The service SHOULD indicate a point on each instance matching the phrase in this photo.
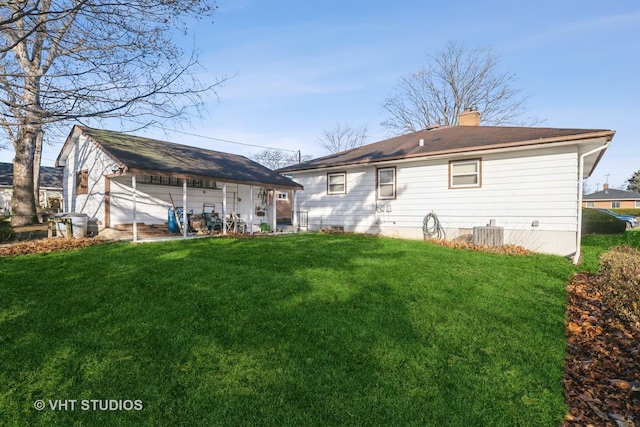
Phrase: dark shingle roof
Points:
(612, 194)
(446, 140)
(49, 177)
(151, 156)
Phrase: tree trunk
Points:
(37, 157)
(23, 205)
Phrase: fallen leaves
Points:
(602, 367)
(46, 245)
(462, 244)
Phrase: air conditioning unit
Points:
(488, 236)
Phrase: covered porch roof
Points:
(146, 156)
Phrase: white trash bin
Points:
(78, 224)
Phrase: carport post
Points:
(250, 219)
(185, 222)
(224, 208)
(134, 207)
(274, 211)
(294, 212)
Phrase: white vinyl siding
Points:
(95, 164)
(518, 189)
(152, 200)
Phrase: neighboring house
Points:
(525, 180)
(50, 187)
(610, 198)
(125, 179)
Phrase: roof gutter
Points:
(576, 257)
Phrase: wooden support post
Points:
(67, 227)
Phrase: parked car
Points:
(632, 221)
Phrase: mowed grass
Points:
(325, 330)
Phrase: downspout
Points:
(576, 257)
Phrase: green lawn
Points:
(313, 329)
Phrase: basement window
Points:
(465, 173)
(82, 182)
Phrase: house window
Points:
(637, 203)
(387, 183)
(82, 182)
(615, 205)
(337, 183)
(283, 196)
(465, 173)
(591, 204)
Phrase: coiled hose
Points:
(431, 227)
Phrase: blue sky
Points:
(301, 67)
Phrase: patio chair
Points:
(239, 224)
(213, 221)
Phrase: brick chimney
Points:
(605, 186)
(469, 117)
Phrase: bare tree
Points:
(275, 159)
(456, 78)
(63, 61)
(343, 137)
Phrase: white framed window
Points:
(615, 205)
(591, 204)
(637, 203)
(337, 183)
(283, 195)
(386, 179)
(465, 173)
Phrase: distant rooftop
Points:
(612, 194)
(49, 177)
